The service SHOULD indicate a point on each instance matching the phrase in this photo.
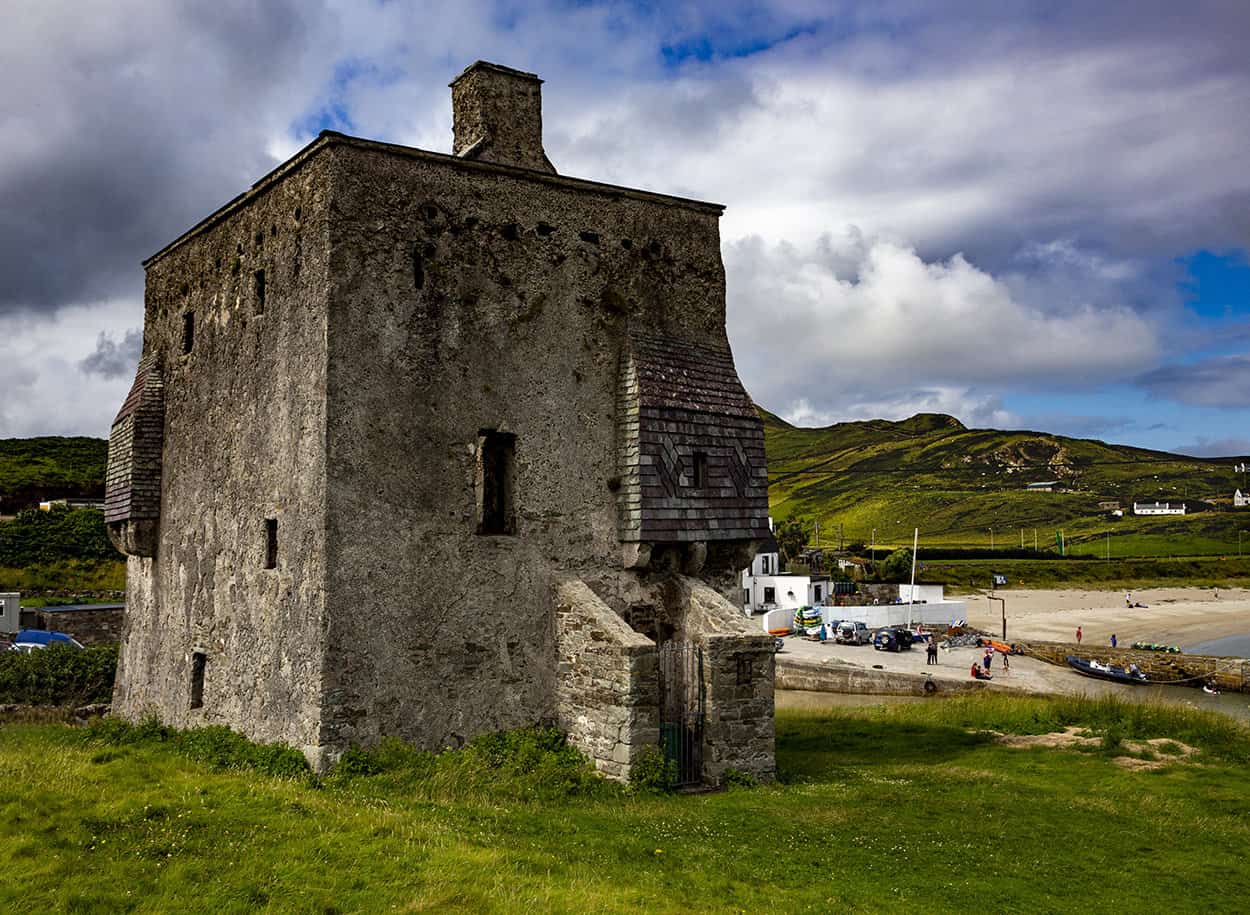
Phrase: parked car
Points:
(852, 633)
(29, 640)
(892, 640)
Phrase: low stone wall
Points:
(91, 626)
(846, 678)
(607, 685)
(738, 673)
(1232, 674)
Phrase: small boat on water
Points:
(1102, 671)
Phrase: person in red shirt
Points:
(1078, 635)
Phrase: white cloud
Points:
(853, 324)
(859, 148)
(50, 386)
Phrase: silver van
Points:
(850, 633)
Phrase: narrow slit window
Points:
(700, 470)
(199, 660)
(188, 332)
(496, 482)
(271, 543)
(258, 280)
(418, 269)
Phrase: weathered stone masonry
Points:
(392, 347)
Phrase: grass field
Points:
(66, 575)
(905, 808)
(1118, 574)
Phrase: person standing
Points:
(989, 656)
(932, 650)
(1078, 635)
(1113, 640)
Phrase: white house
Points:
(766, 587)
(1240, 501)
(1047, 486)
(1158, 508)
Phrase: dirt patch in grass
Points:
(1154, 753)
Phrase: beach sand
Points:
(1172, 616)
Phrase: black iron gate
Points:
(681, 709)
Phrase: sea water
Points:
(1234, 646)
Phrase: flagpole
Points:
(911, 596)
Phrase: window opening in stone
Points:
(188, 332)
(418, 268)
(199, 660)
(700, 470)
(770, 595)
(271, 543)
(746, 670)
(496, 482)
(259, 281)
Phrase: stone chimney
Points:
(497, 115)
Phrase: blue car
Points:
(29, 640)
(892, 640)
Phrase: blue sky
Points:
(1026, 214)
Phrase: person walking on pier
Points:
(1078, 635)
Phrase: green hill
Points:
(956, 484)
(50, 467)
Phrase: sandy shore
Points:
(1172, 616)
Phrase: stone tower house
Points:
(428, 446)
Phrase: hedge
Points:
(58, 675)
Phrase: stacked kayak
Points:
(1151, 646)
(806, 618)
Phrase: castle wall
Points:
(608, 682)
(244, 431)
(468, 299)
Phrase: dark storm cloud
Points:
(124, 125)
(1222, 381)
(112, 359)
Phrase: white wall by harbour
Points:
(933, 614)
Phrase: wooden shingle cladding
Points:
(133, 483)
(681, 406)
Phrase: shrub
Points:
(35, 537)
(525, 764)
(736, 778)
(218, 748)
(58, 675)
(652, 773)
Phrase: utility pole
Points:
(839, 536)
(911, 598)
(1034, 540)
(991, 539)
(1108, 546)
(1022, 539)
(874, 546)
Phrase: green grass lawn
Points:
(1118, 574)
(906, 808)
(66, 575)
